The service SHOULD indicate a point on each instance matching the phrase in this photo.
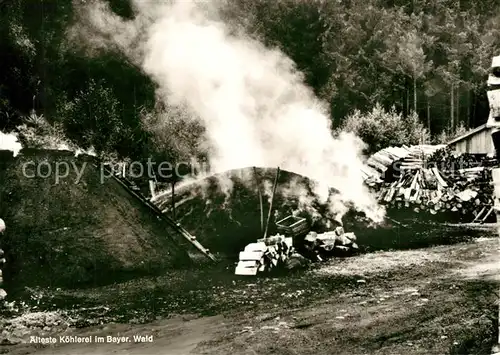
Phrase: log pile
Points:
(432, 179)
(448, 161)
(265, 255)
(385, 161)
(330, 243)
(465, 194)
(278, 251)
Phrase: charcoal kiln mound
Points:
(223, 210)
(79, 229)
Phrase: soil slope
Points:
(71, 232)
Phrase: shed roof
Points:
(469, 133)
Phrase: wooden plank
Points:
(479, 214)
(257, 247)
(407, 193)
(173, 200)
(487, 215)
(438, 177)
(248, 263)
(379, 158)
(246, 271)
(257, 181)
(414, 181)
(251, 255)
(376, 165)
(272, 200)
(152, 188)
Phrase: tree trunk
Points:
(428, 115)
(457, 106)
(468, 108)
(452, 113)
(473, 108)
(414, 94)
(173, 200)
(407, 100)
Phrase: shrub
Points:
(92, 118)
(37, 132)
(380, 128)
(174, 134)
(447, 135)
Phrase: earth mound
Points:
(79, 228)
(223, 210)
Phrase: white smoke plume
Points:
(9, 141)
(251, 100)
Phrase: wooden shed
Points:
(476, 141)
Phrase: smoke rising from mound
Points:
(251, 100)
(9, 141)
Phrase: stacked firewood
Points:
(384, 162)
(278, 251)
(447, 160)
(466, 193)
(330, 243)
(265, 255)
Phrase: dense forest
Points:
(427, 58)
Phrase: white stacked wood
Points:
(409, 157)
(264, 255)
(277, 250)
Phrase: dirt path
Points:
(177, 336)
(428, 301)
(426, 314)
(487, 265)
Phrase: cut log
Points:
(248, 263)
(250, 255)
(438, 177)
(246, 271)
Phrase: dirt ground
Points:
(437, 300)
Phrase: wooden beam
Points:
(173, 200)
(487, 215)
(257, 180)
(272, 199)
(152, 188)
(496, 192)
